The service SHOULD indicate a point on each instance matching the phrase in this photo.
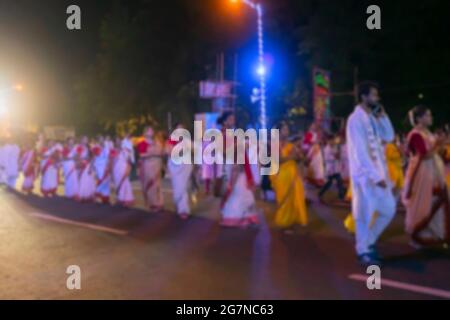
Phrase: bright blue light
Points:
(261, 70)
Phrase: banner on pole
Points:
(321, 94)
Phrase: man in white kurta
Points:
(372, 189)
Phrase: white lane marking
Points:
(406, 286)
(80, 224)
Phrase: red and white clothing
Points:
(238, 205)
(102, 172)
(426, 195)
(122, 164)
(316, 167)
(87, 185)
(150, 171)
(71, 178)
(27, 166)
(49, 172)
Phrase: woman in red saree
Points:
(426, 196)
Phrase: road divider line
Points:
(406, 286)
(80, 224)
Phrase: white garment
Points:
(28, 170)
(180, 175)
(71, 179)
(3, 178)
(49, 172)
(101, 171)
(124, 189)
(332, 162)
(11, 163)
(316, 165)
(240, 203)
(86, 190)
(365, 137)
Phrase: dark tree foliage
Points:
(153, 53)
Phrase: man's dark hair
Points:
(365, 87)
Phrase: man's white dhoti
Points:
(368, 199)
(365, 137)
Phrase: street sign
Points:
(216, 89)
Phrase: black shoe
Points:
(368, 259)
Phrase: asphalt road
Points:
(133, 254)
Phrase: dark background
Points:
(145, 57)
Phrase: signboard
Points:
(213, 89)
(321, 94)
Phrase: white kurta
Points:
(365, 137)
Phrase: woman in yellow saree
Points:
(288, 185)
(394, 160)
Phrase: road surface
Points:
(133, 254)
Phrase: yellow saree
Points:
(395, 165)
(290, 192)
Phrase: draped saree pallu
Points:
(426, 195)
(150, 169)
(87, 184)
(27, 165)
(49, 174)
(238, 204)
(121, 176)
(71, 183)
(102, 173)
(290, 193)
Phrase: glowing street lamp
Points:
(18, 87)
(261, 70)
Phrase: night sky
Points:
(36, 48)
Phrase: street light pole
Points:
(261, 64)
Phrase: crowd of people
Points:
(370, 165)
